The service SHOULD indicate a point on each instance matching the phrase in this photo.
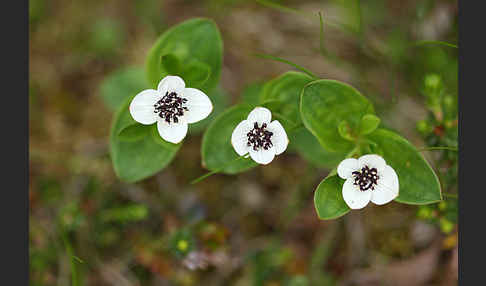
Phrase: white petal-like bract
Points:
(142, 106)
(279, 138)
(372, 161)
(198, 104)
(387, 188)
(239, 139)
(173, 132)
(380, 188)
(171, 83)
(146, 108)
(247, 140)
(353, 196)
(347, 167)
(263, 156)
(260, 115)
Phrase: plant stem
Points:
(197, 180)
(421, 43)
(270, 57)
(452, 196)
(356, 150)
(438, 148)
(69, 251)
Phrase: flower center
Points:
(259, 137)
(366, 178)
(170, 107)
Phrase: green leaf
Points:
(251, 93)
(122, 84)
(328, 198)
(216, 149)
(282, 94)
(309, 148)
(132, 212)
(418, 182)
(136, 160)
(133, 132)
(325, 104)
(192, 49)
(369, 123)
(195, 73)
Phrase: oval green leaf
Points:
(216, 149)
(309, 148)
(328, 198)
(282, 94)
(325, 104)
(219, 99)
(133, 132)
(122, 84)
(251, 93)
(195, 73)
(418, 182)
(136, 160)
(194, 47)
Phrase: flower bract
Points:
(262, 138)
(368, 178)
(172, 106)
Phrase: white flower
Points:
(259, 137)
(172, 106)
(368, 178)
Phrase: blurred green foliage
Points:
(257, 228)
(440, 128)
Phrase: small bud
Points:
(182, 245)
(442, 205)
(445, 225)
(424, 127)
(432, 81)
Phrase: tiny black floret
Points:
(170, 107)
(259, 137)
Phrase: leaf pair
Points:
(325, 105)
(282, 96)
(191, 50)
(368, 124)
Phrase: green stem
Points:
(197, 180)
(322, 48)
(421, 43)
(281, 8)
(360, 31)
(452, 196)
(71, 256)
(353, 152)
(302, 69)
(438, 148)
